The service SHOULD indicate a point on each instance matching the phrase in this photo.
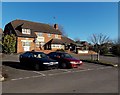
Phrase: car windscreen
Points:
(40, 55)
(66, 55)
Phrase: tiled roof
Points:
(67, 40)
(19, 34)
(55, 41)
(34, 26)
(1, 31)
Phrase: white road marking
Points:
(79, 71)
(26, 77)
(67, 71)
(39, 73)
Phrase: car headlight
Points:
(46, 63)
(80, 61)
(56, 62)
(73, 62)
(53, 62)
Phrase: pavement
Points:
(108, 59)
(88, 78)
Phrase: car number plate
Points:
(51, 63)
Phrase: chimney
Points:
(56, 26)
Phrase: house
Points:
(82, 47)
(34, 36)
(69, 43)
(1, 32)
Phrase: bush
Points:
(104, 50)
(9, 43)
(116, 49)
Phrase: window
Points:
(40, 55)
(40, 34)
(30, 55)
(56, 46)
(38, 44)
(49, 35)
(25, 43)
(26, 31)
(56, 36)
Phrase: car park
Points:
(65, 60)
(38, 60)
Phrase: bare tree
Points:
(99, 40)
(61, 28)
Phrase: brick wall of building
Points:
(45, 35)
(46, 39)
(20, 47)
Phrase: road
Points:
(89, 78)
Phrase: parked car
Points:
(65, 60)
(38, 60)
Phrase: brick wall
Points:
(20, 47)
(46, 38)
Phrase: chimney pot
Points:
(56, 26)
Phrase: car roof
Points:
(59, 52)
(33, 52)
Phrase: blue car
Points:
(38, 60)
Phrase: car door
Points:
(52, 55)
(25, 57)
(30, 58)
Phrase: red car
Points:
(65, 60)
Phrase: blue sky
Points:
(79, 19)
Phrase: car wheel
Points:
(57, 67)
(64, 65)
(37, 67)
(21, 61)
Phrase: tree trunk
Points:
(98, 55)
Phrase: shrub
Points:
(104, 50)
(9, 43)
(116, 49)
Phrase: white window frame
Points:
(59, 46)
(56, 35)
(39, 43)
(40, 34)
(25, 44)
(49, 35)
(26, 31)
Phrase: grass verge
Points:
(101, 63)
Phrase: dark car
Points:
(38, 60)
(65, 60)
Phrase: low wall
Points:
(82, 51)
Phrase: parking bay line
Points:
(80, 71)
(41, 74)
(26, 78)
